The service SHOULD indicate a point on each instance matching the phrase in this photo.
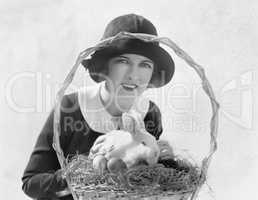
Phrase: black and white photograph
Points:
(152, 100)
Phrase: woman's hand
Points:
(166, 150)
(60, 179)
(102, 146)
(97, 145)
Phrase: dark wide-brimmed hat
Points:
(163, 63)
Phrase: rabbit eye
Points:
(144, 143)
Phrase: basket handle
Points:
(180, 53)
(57, 108)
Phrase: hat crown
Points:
(129, 23)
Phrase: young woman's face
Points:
(129, 74)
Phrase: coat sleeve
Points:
(42, 176)
(153, 121)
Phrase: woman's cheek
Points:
(141, 89)
(146, 77)
(118, 72)
(114, 80)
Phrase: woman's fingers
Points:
(101, 149)
(100, 139)
(98, 144)
(96, 148)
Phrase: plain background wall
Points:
(40, 40)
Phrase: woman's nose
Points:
(133, 73)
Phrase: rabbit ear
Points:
(129, 123)
(138, 119)
(140, 122)
(132, 121)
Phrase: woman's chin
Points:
(125, 104)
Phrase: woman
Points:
(123, 71)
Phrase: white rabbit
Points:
(132, 144)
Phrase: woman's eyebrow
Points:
(150, 61)
(122, 57)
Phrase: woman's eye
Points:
(122, 61)
(146, 65)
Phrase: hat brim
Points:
(164, 66)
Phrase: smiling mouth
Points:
(129, 87)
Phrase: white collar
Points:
(95, 114)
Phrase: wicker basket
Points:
(99, 191)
